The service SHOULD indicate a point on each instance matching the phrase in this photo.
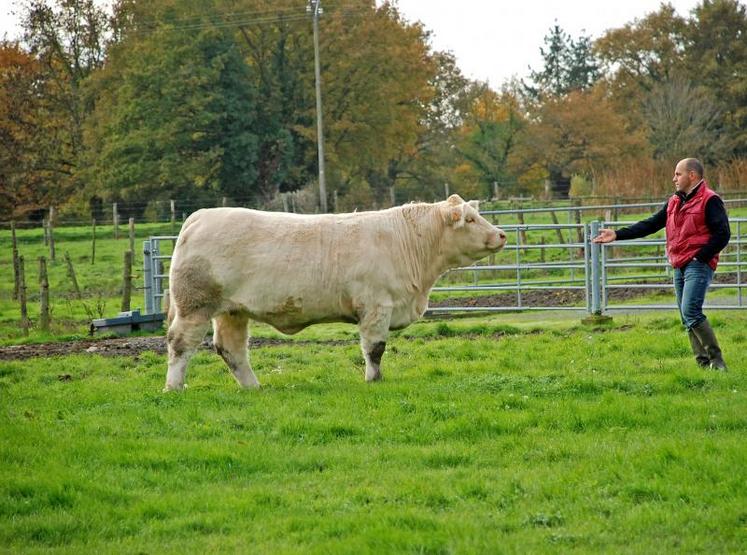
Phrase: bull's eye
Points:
(469, 219)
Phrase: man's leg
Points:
(696, 279)
(701, 356)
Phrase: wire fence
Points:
(305, 201)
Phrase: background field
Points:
(524, 433)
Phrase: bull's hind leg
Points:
(183, 338)
(374, 330)
(230, 339)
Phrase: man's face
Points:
(683, 179)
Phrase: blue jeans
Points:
(690, 286)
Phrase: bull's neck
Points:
(423, 257)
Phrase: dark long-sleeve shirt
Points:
(716, 220)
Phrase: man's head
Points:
(687, 174)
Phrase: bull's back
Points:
(280, 268)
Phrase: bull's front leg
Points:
(374, 329)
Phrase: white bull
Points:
(375, 269)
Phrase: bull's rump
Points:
(284, 269)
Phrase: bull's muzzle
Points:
(496, 240)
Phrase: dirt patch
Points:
(130, 346)
(541, 298)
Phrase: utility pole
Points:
(315, 9)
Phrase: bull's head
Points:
(469, 236)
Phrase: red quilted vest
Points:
(686, 228)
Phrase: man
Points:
(697, 230)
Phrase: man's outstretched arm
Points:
(639, 229)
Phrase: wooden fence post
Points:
(579, 229)
(131, 227)
(173, 217)
(522, 232)
(43, 295)
(15, 260)
(50, 227)
(558, 231)
(93, 241)
(127, 281)
(45, 232)
(542, 250)
(22, 297)
(71, 275)
(115, 220)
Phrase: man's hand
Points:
(605, 236)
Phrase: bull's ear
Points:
(456, 216)
(475, 204)
(455, 200)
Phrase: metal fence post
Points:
(157, 280)
(595, 277)
(147, 278)
(739, 263)
(595, 317)
(587, 267)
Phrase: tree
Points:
(578, 134)
(681, 118)
(378, 86)
(640, 55)
(488, 139)
(420, 170)
(568, 65)
(174, 114)
(22, 182)
(716, 58)
(67, 38)
(280, 52)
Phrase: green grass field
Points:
(514, 434)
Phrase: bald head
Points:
(693, 165)
(687, 174)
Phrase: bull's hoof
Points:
(169, 388)
(373, 377)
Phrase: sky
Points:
(494, 40)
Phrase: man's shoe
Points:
(719, 365)
(704, 333)
(701, 357)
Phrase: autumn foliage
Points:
(193, 99)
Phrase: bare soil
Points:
(128, 346)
